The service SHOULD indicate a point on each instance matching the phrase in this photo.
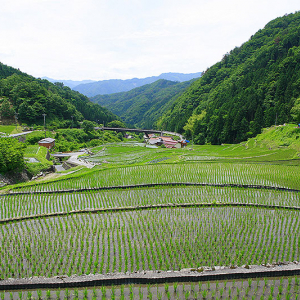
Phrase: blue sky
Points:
(114, 39)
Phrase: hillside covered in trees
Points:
(142, 106)
(30, 98)
(254, 86)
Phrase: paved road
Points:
(59, 168)
(79, 162)
(73, 159)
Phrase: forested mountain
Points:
(254, 86)
(142, 106)
(30, 98)
(117, 85)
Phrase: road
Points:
(74, 160)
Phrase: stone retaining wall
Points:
(149, 185)
(145, 207)
(153, 277)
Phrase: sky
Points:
(123, 39)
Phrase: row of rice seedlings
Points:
(264, 288)
(161, 239)
(218, 173)
(27, 204)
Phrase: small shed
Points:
(47, 142)
(183, 143)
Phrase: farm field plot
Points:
(130, 153)
(162, 227)
(12, 206)
(123, 153)
(211, 173)
(264, 288)
(159, 239)
(10, 129)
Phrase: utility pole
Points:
(16, 116)
(44, 123)
(72, 121)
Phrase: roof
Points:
(47, 140)
(154, 141)
(170, 142)
(166, 138)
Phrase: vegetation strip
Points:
(145, 207)
(146, 185)
(151, 277)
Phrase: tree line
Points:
(254, 86)
(29, 98)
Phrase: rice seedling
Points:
(103, 292)
(141, 294)
(58, 294)
(76, 294)
(175, 286)
(204, 293)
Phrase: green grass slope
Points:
(276, 137)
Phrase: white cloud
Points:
(100, 39)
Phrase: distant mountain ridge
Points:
(142, 106)
(69, 83)
(112, 86)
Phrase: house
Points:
(47, 142)
(155, 141)
(171, 144)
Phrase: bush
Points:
(11, 155)
(34, 137)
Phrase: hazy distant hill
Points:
(142, 106)
(117, 85)
(69, 83)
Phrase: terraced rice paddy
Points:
(263, 288)
(212, 173)
(141, 237)
(12, 206)
(160, 239)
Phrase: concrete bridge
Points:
(145, 131)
